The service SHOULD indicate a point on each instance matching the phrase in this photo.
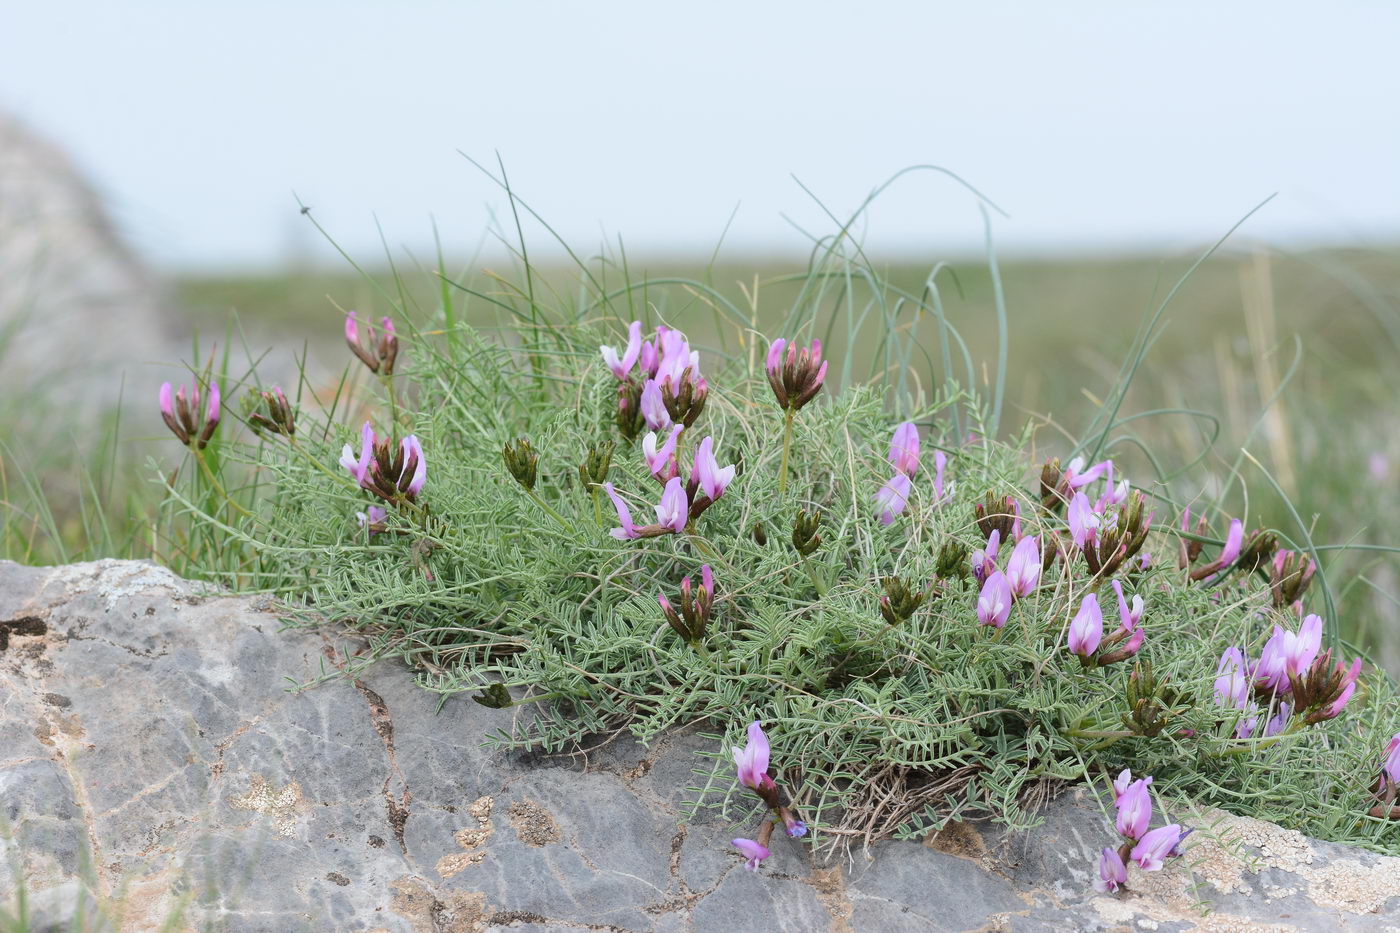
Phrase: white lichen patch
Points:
(279, 805)
(471, 839)
(1147, 913)
(120, 579)
(1346, 884)
(1226, 855)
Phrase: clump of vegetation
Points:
(919, 644)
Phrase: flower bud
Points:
(997, 513)
(1151, 703)
(270, 411)
(1290, 573)
(495, 696)
(629, 410)
(1053, 489)
(899, 601)
(805, 538)
(1258, 551)
(593, 471)
(795, 377)
(952, 558)
(521, 459)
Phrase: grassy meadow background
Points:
(1292, 355)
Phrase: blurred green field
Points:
(1294, 354)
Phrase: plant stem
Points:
(388, 383)
(218, 487)
(704, 546)
(787, 442)
(339, 480)
(552, 514)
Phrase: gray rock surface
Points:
(153, 763)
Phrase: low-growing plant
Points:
(918, 644)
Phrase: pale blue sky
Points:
(1095, 125)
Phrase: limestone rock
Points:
(154, 764)
(76, 306)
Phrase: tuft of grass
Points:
(878, 729)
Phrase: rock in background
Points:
(77, 309)
(154, 764)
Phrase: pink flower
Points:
(1086, 629)
(650, 360)
(940, 460)
(707, 472)
(752, 851)
(1379, 466)
(892, 498)
(1112, 872)
(676, 357)
(1300, 650)
(1077, 477)
(181, 414)
(211, 415)
(1023, 568)
(752, 760)
(904, 449)
(1155, 847)
(1280, 720)
(624, 515)
(1084, 523)
(1232, 680)
(797, 377)
(1234, 540)
(621, 367)
(773, 364)
(1391, 766)
(1248, 723)
(794, 827)
(654, 407)
(662, 463)
(413, 457)
(359, 469)
(994, 602)
(1286, 653)
(371, 517)
(1129, 648)
(984, 560)
(1135, 810)
(673, 511)
(1129, 617)
(383, 349)
(1123, 782)
(1348, 691)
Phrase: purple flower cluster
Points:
(394, 473)
(667, 388)
(1292, 677)
(184, 419)
(695, 607)
(1149, 848)
(1085, 636)
(379, 351)
(751, 761)
(681, 502)
(904, 457)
